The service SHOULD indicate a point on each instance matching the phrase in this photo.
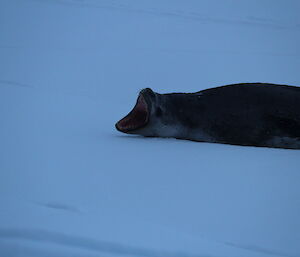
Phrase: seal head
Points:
(162, 115)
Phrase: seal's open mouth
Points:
(136, 119)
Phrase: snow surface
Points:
(72, 186)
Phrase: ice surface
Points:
(71, 185)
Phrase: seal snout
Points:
(136, 119)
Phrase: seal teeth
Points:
(136, 119)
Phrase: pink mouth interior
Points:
(137, 118)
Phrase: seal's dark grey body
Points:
(254, 114)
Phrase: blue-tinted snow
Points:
(73, 186)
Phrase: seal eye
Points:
(158, 112)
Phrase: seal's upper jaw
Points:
(136, 119)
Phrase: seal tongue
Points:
(137, 118)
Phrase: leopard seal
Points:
(249, 114)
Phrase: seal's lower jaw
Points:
(136, 119)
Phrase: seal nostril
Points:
(148, 91)
(158, 112)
